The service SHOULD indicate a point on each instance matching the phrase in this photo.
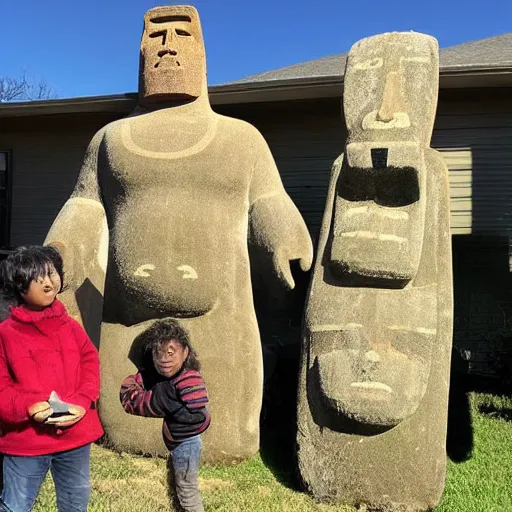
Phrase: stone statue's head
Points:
(172, 56)
(390, 98)
(373, 367)
(390, 88)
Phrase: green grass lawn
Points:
(484, 482)
(122, 483)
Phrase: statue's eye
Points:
(160, 33)
(370, 63)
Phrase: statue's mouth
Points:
(387, 185)
(380, 386)
(168, 58)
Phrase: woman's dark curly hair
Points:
(163, 331)
(24, 265)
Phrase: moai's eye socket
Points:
(181, 32)
(160, 33)
(370, 63)
(419, 59)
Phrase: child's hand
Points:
(40, 411)
(76, 413)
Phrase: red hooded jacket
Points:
(41, 352)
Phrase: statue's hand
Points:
(298, 246)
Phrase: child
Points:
(170, 386)
(43, 350)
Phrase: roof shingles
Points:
(493, 52)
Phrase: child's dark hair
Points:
(25, 264)
(163, 331)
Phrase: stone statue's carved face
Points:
(172, 57)
(390, 97)
(379, 215)
(373, 369)
(391, 86)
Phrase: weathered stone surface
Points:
(375, 364)
(180, 189)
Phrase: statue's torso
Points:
(177, 218)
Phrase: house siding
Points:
(473, 132)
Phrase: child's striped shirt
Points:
(180, 400)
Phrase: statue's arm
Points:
(80, 233)
(276, 228)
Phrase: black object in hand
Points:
(59, 407)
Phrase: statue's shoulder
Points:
(108, 129)
(237, 126)
(136, 115)
(117, 124)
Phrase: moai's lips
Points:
(368, 403)
(383, 237)
(372, 385)
(168, 61)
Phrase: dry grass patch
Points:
(122, 483)
(214, 484)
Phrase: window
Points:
(5, 199)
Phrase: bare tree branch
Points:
(25, 89)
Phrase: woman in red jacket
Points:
(44, 355)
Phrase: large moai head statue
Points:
(373, 387)
(374, 369)
(390, 97)
(390, 88)
(172, 56)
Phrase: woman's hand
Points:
(76, 413)
(40, 411)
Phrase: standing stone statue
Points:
(164, 204)
(375, 364)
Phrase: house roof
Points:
(482, 63)
(491, 53)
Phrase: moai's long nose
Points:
(392, 99)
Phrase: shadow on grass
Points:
(278, 421)
(280, 321)
(459, 442)
(459, 439)
(496, 412)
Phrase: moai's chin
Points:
(358, 401)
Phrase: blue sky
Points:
(91, 47)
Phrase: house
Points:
(298, 110)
